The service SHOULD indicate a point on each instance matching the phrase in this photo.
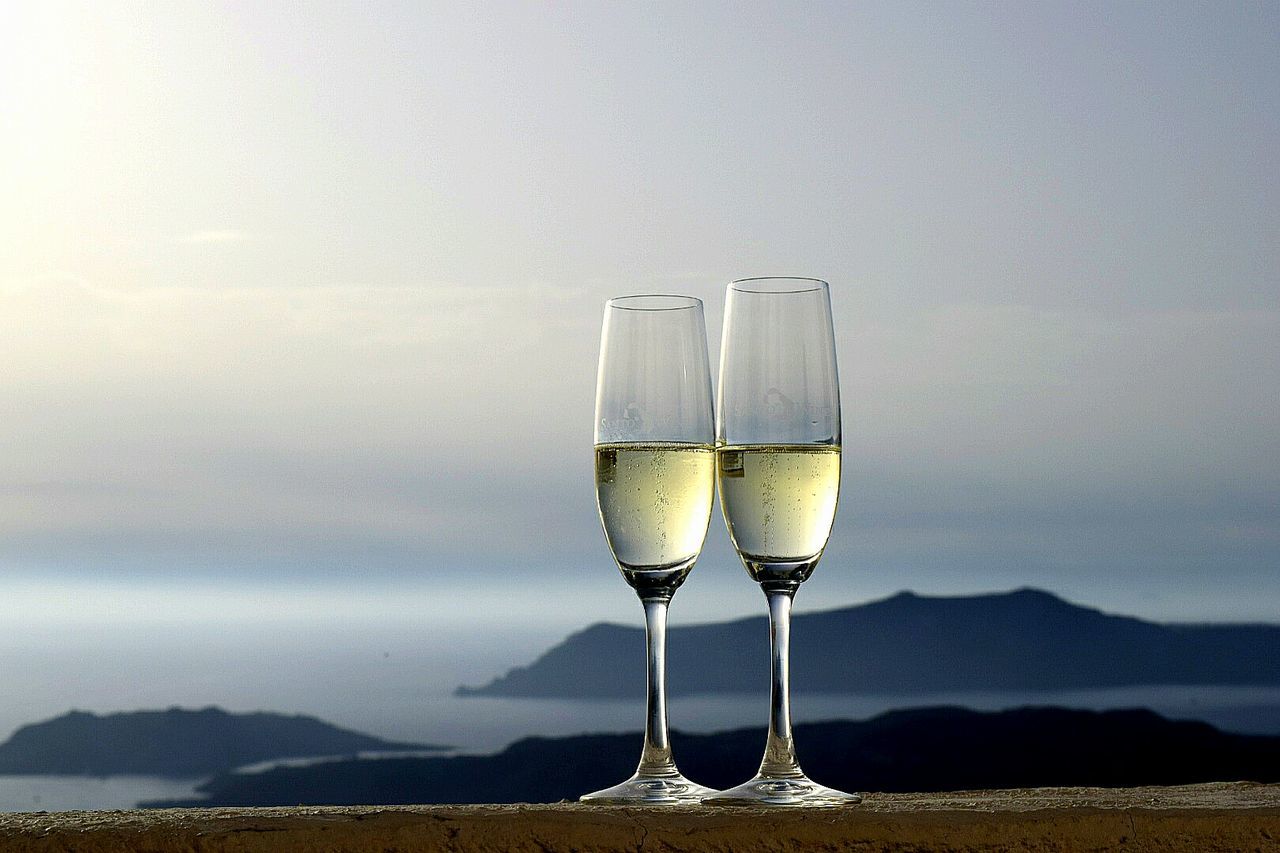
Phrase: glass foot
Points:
(800, 791)
(651, 790)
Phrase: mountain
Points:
(932, 749)
(177, 743)
(1021, 640)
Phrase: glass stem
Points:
(656, 758)
(779, 752)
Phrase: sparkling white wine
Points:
(655, 502)
(779, 501)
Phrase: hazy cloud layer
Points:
(342, 431)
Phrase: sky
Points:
(300, 303)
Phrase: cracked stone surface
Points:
(1225, 816)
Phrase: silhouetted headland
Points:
(1021, 640)
(931, 749)
(176, 743)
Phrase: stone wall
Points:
(1233, 817)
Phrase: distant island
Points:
(1021, 640)
(176, 743)
(932, 749)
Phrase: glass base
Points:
(652, 790)
(799, 791)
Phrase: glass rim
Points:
(778, 284)
(660, 302)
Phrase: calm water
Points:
(395, 682)
(69, 793)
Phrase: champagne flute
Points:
(655, 478)
(778, 470)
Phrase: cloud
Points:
(215, 236)
(1130, 458)
(1062, 395)
(337, 424)
(441, 427)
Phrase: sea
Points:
(395, 679)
